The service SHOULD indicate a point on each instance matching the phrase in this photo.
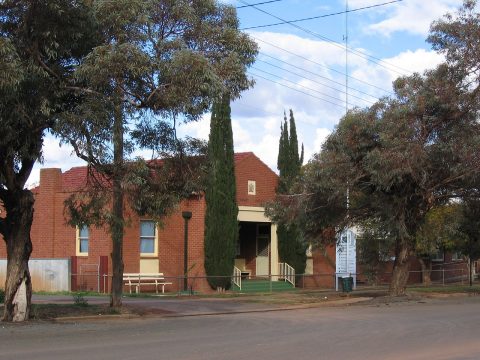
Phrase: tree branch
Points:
(85, 90)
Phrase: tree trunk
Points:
(18, 285)
(426, 271)
(117, 223)
(401, 267)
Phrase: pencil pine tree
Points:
(291, 247)
(221, 226)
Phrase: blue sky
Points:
(300, 69)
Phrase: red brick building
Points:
(149, 248)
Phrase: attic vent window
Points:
(252, 187)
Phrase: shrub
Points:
(79, 299)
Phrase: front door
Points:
(263, 249)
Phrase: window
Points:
(438, 256)
(148, 238)
(457, 256)
(82, 240)
(252, 187)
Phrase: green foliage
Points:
(398, 159)
(291, 245)
(289, 163)
(469, 227)
(403, 156)
(41, 43)
(375, 246)
(2, 295)
(79, 299)
(39, 46)
(456, 36)
(158, 62)
(440, 230)
(221, 226)
(292, 248)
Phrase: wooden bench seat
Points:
(138, 279)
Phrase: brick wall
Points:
(249, 167)
(52, 237)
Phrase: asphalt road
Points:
(446, 329)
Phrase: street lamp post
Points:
(187, 215)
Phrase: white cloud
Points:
(54, 156)
(415, 61)
(412, 16)
(319, 51)
(321, 136)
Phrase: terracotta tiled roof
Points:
(76, 177)
(242, 155)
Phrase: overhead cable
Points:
(260, 3)
(322, 65)
(314, 74)
(371, 58)
(297, 90)
(320, 16)
(301, 86)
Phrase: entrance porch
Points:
(257, 247)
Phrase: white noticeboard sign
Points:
(346, 257)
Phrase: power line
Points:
(291, 88)
(320, 16)
(322, 65)
(298, 85)
(317, 75)
(239, 103)
(260, 3)
(316, 82)
(371, 58)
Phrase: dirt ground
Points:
(373, 297)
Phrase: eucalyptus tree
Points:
(41, 42)
(398, 159)
(457, 37)
(439, 232)
(160, 61)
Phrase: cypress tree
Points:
(221, 226)
(291, 247)
(295, 159)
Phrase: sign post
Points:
(346, 257)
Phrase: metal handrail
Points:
(237, 277)
(287, 272)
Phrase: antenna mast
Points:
(346, 81)
(346, 57)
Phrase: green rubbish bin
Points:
(347, 284)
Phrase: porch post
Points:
(273, 252)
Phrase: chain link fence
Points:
(196, 285)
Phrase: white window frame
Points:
(78, 241)
(252, 187)
(155, 239)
